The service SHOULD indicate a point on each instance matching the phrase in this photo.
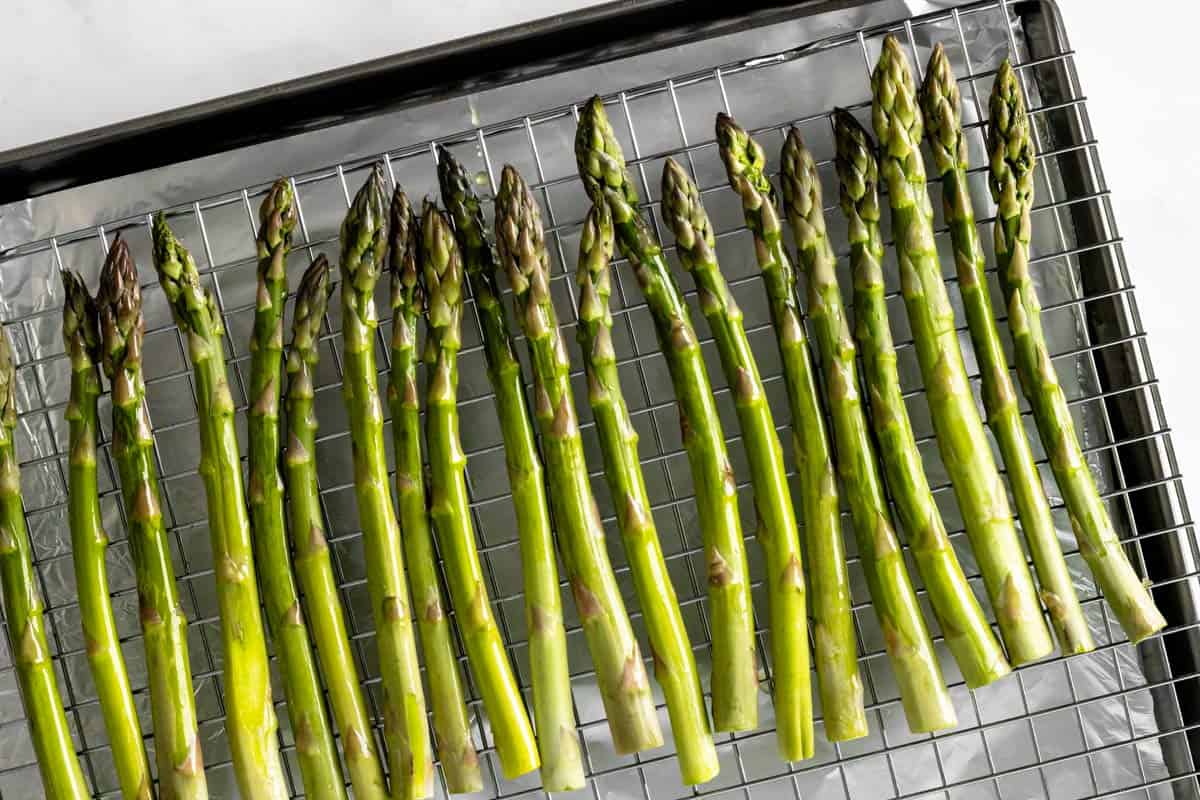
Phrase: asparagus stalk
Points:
(89, 545)
(1012, 160)
(558, 743)
(941, 102)
(837, 667)
(960, 435)
(923, 693)
(250, 713)
(23, 613)
(734, 673)
(684, 212)
(620, 673)
(456, 750)
(963, 623)
(320, 768)
(364, 241)
(314, 568)
(450, 507)
(164, 627)
(674, 663)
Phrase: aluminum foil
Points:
(1084, 718)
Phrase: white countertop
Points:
(70, 67)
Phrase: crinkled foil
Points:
(1053, 712)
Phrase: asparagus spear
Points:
(450, 507)
(314, 569)
(941, 102)
(164, 627)
(674, 664)
(963, 624)
(364, 246)
(558, 743)
(734, 674)
(320, 768)
(23, 613)
(456, 751)
(89, 545)
(922, 690)
(833, 636)
(777, 531)
(1012, 160)
(960, 435)
(620, 673)
(250, 713)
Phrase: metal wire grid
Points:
(1093, 726)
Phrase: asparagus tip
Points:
(733, 143)
(277, 214)
(452, 178)
(402, 255)
(119, 306)
(312, 297)
(80, 332)
(941, 103)
(442, 267)
(726, 124)
(601, 162)
(685, 215)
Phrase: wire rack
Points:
(1120, 722)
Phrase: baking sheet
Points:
(1092, 721)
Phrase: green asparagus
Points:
(833, 629)
(777, 530)
(941, 103)
(23, 613)
(620, 673)
(164, 627)
(456, 750)
(963, 623)
(89, 546)
(965, 449)
(1012, 161)
(923, 693)
(450, 507)
(734, 672)
(250, 713)
(558, 743)
(674, 663)
(320, 768)
(364, 241)
(314, 568)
